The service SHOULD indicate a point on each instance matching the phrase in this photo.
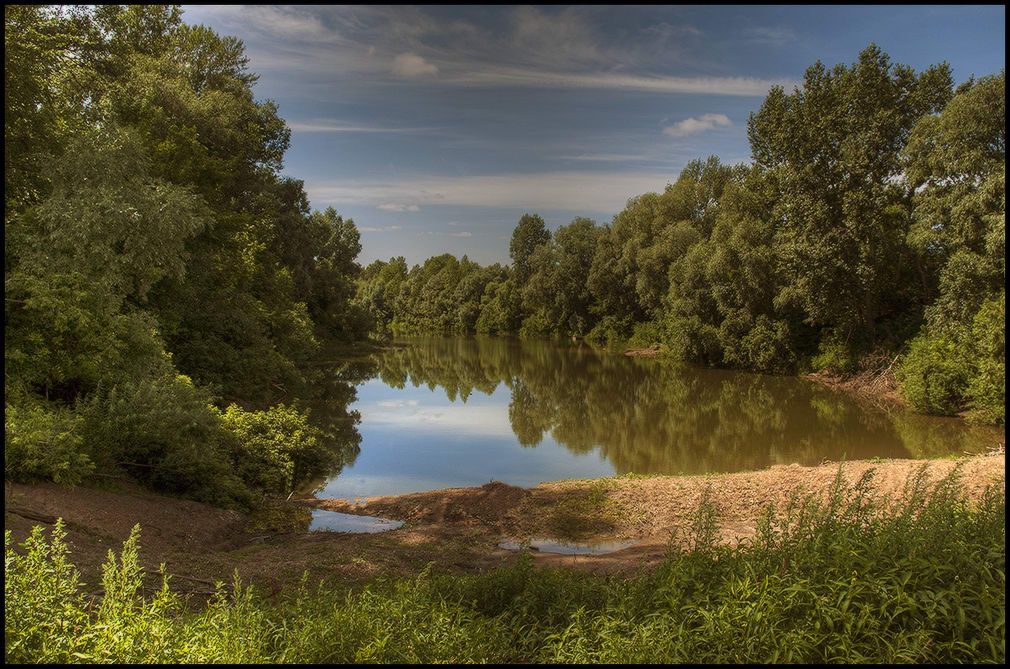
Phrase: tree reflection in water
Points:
(653, 416)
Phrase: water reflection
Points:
(334, 521)
(458, 411)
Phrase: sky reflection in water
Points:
(453, 412)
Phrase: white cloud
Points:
(573, 191)
(390, 228)
(399, 208)
(482, 420)
(614, 158)
(772, 36)
(461, 234)
(537, 48)
(691, 126)
(411, 65)
(288, 22)
(743, 86)
(340, 126)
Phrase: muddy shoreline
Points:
(453, 530)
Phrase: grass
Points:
(578, 511)
(847, 579)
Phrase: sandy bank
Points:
(455, 529)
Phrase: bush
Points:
(836, 355)
(536, 325)
(949, 369)
(761, 344)
(277, 448)
(934, 375)
(690, 339)
(167, 435)
(43, 442)
(987, 387)
(646, 334)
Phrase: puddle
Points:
(547, 546)
(334, 521)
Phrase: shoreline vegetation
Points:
(894, 529)
(170, 296)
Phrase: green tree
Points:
(956, 161)
(832, 151)
(529, 233)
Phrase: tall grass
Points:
(844, 579)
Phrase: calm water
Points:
(447, 412)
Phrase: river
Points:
(440, 412)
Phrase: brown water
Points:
(446, 412)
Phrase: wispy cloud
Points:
(537, 48)
(461, 234)
(341, 126)
(411, 65)
(772, 36)
(516, 77)
(691, 126)
(578, 191)
(398, 208)
(389, 228)
(615, 158)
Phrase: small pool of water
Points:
(549, 546)
(334, 521)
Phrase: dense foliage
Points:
(836, 580)
(871, 219)
(157, 265)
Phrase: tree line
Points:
(164, 283)
(871, 218)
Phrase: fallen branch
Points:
(31, 514)
(185, 578)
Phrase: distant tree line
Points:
(157, 266)
(871, 218)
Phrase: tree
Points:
(832, 150)
(530, 233)
(956, 162)
(557, 294)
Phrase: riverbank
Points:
(455, 530)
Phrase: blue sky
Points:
(436, 128)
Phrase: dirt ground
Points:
(454, 530)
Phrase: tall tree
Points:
(832, 150)
(530, 233)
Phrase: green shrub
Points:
(934, 374)
(647, 334)
(166, 434)
(276, 448)
(536, 325)
(987, 386)
(956, 367)
(836, 355)
(761, 344)
(612, 332)
(690, 339)
(43, 442)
